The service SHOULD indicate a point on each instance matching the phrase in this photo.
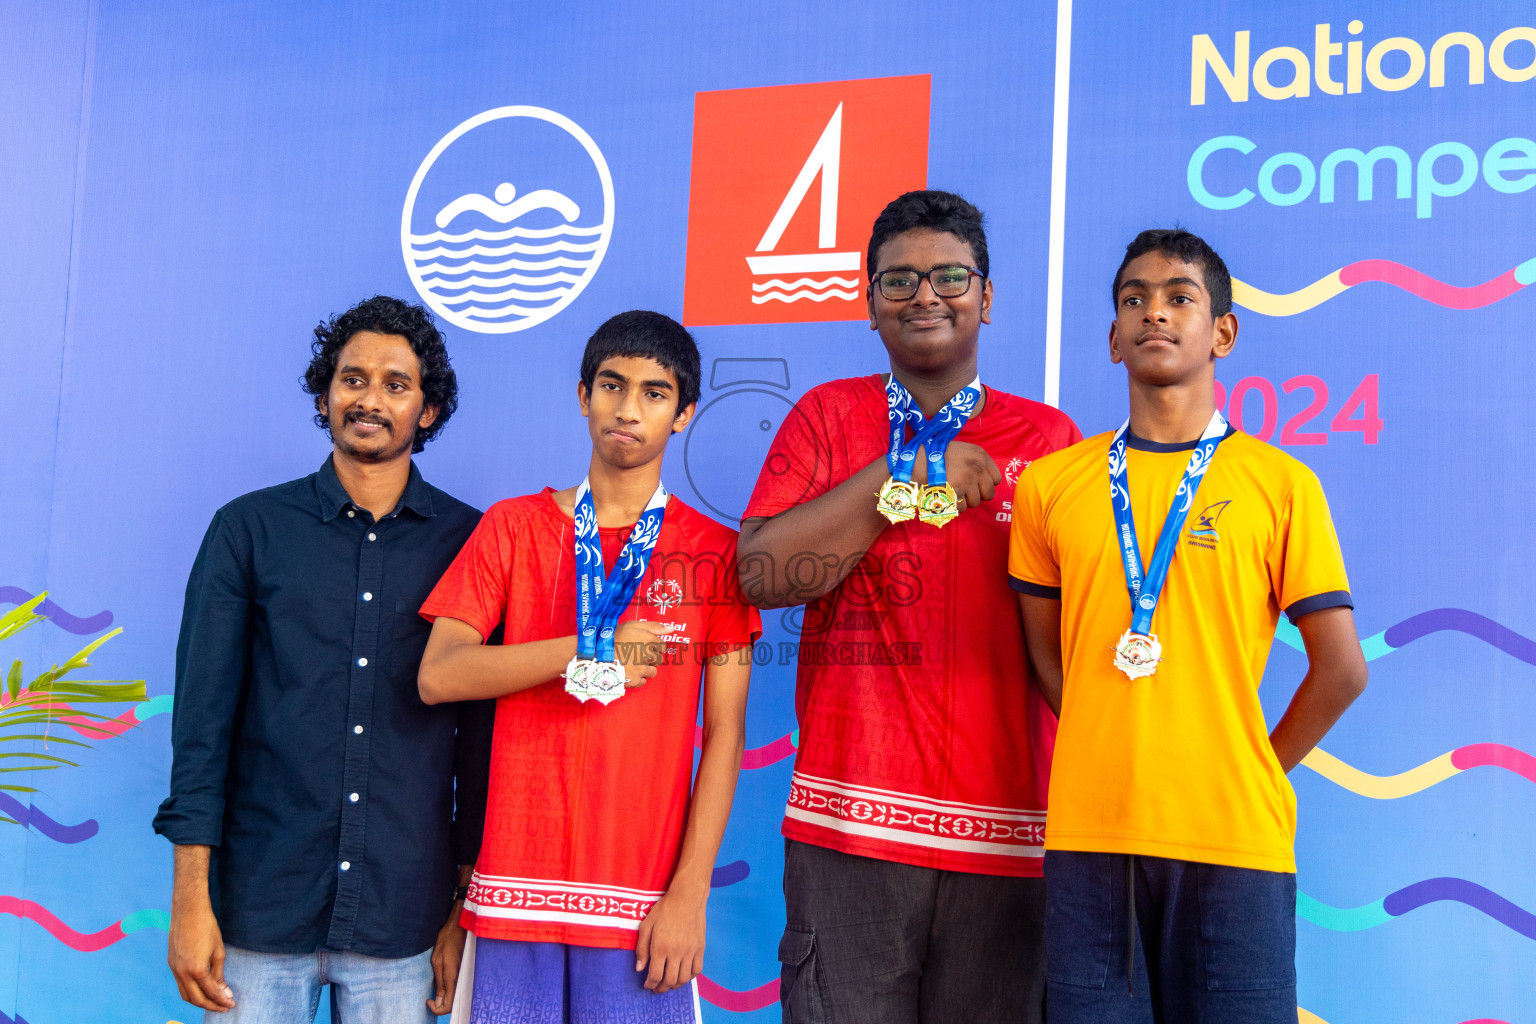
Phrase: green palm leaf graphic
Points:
(49, 696)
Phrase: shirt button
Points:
(351, 514)
(346, 865)
(357, 729)
(352, 797)
(362, 662)
(372, 537)
(367, 597)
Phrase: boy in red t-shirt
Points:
(916, 815)
(592, 848)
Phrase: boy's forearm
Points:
(804, 552)
(1336, 675)
(472, 671)
(714, 790)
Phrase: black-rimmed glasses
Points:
(947, 282)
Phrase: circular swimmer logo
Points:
(507, 219)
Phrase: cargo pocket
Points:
(1247, 928)
(800, 979)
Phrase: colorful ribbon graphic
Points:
(1305, 1016)
(1430, 773)
(137, 715)
(86, 942)
(765, 994)
(729, 874)
(31, 817)
(1387, 272)
(1421, 625)
(56, 615)
(759, 757)
(1412, 897)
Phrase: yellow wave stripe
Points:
(1380, 787)
(1316, 293)
(1304, 1016)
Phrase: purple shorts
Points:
(553, 983)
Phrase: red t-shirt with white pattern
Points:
(588, 803)
(923, 738)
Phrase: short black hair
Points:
(385, 315)
(1187, 248)
(646, 334)
(932, 209)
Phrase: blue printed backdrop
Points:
(188, 189)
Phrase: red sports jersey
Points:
(923, 738)
(588, 802)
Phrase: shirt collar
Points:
(333, 496)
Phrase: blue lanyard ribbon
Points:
(934, 434)
(601, 600)
(1145, 592)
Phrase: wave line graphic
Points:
(487, 299)
(1412, 897)
(76, 624)
(1385, 272)
(481, 235)
(502, 250)
(95, 729)
(1305, 1016)
(746, 1001)
(758, 757)
(515, 264)
(444, 283)
(779, 282)
(85, 942)
(804, 293)
(1437, 620)
(31, 817)
(1430, 773)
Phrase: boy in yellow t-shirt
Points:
(1171, 825)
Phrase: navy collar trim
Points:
(333, 496)
(1141, 444)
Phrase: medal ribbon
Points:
(1145, 592)
(601, 600)
(934, 434)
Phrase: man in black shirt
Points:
(312, 792)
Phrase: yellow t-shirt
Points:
(1179, 764)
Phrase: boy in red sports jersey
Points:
(917, 810)
(615, 599)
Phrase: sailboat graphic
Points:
(825, 159)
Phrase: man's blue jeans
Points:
(284, 988)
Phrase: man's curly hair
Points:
(386, 315)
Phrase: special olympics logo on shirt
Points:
(664, 595)
(507, 219)
(1015, 467)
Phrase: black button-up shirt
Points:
(303, 753)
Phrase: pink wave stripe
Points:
(757, 757)
(1494, 755)
(86, 943)
(740, 1002)
(1425, 287)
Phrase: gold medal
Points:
(939, 505)
(897, 500)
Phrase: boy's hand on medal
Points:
(640, 649)
(969, 470)
(671, 941)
